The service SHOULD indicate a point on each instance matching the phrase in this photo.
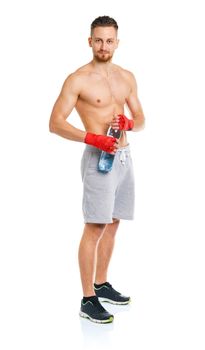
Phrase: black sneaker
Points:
(94, 311)
(107, 293)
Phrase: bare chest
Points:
(101, 92)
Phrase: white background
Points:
(159, 258)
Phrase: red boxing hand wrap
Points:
(105, 143)
(125, 123)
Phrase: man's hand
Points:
(105, 143)
(121, 122)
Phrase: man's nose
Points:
(103, 46)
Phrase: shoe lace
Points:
(110, 286)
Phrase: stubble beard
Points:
(103, 58)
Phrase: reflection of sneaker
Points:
(105, 292)
(95, 312)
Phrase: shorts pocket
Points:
(85, 163)
(93, 160)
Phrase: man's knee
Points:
(112, 228)
(114, 220)
(96, 230)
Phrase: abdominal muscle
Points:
(97, 120)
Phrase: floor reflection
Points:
(101, 335)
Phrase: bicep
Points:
(66, 101)
(134, 105)
(133, 101)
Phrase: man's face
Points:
(104, 43)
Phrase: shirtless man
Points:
(99, 91)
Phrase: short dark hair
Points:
(104, 21)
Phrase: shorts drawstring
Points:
(122, 156)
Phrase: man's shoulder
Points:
(77, 77)
(81, 72)
(125, 72)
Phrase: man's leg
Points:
(104, 251)
(87, 255)
(103, 289)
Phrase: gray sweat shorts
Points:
(107, 196)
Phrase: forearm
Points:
(62, 128)
(66, 130)
(139, 123)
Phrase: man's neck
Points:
(103, 68)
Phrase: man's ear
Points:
(90, 41)
(118, 40)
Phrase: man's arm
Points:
(134, 105)
(62, 109)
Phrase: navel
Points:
(98, 100)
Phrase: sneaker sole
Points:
(114, 302)
(84, 315)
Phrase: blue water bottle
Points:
(106, 159)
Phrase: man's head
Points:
(103, 38)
